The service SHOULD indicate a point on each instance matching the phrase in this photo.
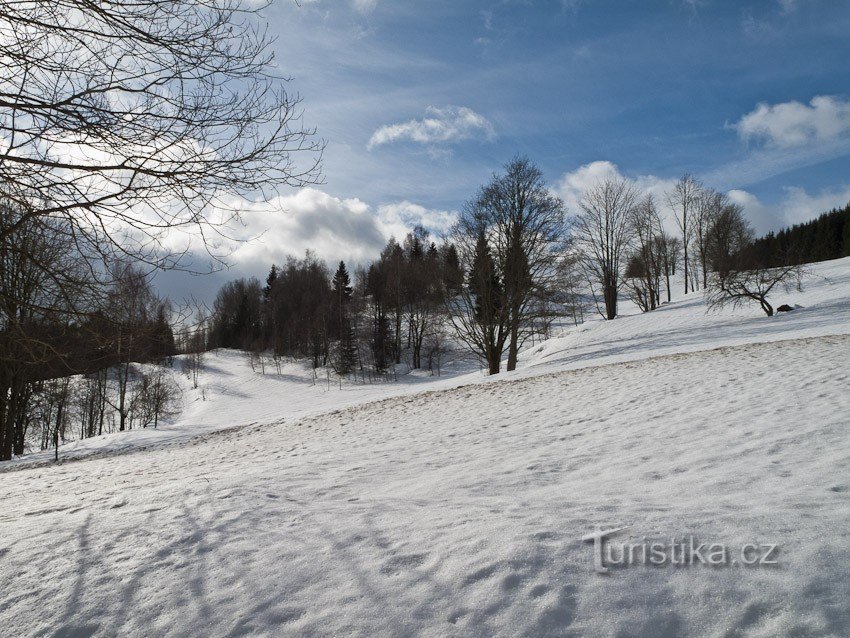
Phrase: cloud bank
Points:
(332, 227)
(795, 206)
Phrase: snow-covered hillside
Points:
(460, 511)
(233, 394)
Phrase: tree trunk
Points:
(513, 347)
(493, 358)
(398, 336)
(610, 294)
(493, 366)
(7, 425)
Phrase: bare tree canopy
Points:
(739, 287)
(604, 231)
(129, 119)
(684, 200)
(517, 225)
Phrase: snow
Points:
(232, 394)
(279, 507)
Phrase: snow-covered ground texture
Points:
(279, 505)
(233, 394)
(460, 512)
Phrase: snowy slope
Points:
(460, 511)
(232, 394)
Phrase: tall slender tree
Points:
(684, 200)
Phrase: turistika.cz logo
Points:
(676, 553)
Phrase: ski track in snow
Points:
(459, 512)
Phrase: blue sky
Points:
(420, 102)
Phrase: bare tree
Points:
(646, 265)
(709, 205)
(728, 237)
(479, 313)
(196, 346)
(525, 226)
(738, 287)
(92, 404)
(129, 119)
(156, 397)
(570, 280)
(41, 282)
(684, 200)
(131, 305)
(667, 247)
(603, 233)
(436, 345)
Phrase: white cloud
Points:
(792, 123)
(396, 219)
(572, 186)
(441, 125)
(795, 207)
(332, 227)
(762, 217)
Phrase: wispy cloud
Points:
(791, 124)
(439, 126)
(788, 6)
(364, 6)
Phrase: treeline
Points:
(59, 319)
(514, 263)
(364, 325)
(821, 239)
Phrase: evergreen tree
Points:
(163, 345)
(267, 291)
(484, 282)
(827, 237)
(341, 284)
(452, 271)
(346, 351)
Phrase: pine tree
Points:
(346, 348)
(163, 336)
(267, 291)
(452, 271)
(346, 352)
(341, 284)
(484, 282)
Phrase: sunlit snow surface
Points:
(459, 511)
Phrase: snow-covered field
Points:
(384, 510)
(232, 394)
